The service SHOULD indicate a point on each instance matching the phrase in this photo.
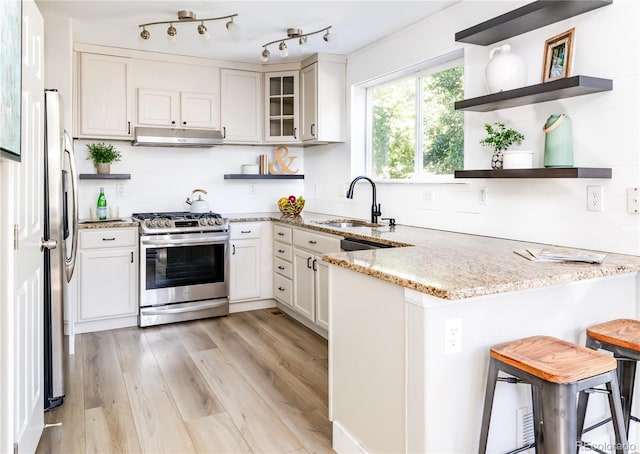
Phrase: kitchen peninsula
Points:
(400, 381)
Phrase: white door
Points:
(21, 205)
(199, 110)
(303, 299)
(245, 270)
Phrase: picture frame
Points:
(558, 56)
(10, 78)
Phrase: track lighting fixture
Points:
(293, 33)
(189, 16)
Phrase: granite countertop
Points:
(84, 224)
(449, 265)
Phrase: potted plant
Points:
(500, 139)
(102, 156)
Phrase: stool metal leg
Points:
(560, 418)
(583, 401)
(492, 377)
(615, 404)
(626, 379)
(536, 401)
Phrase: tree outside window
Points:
(414, 129)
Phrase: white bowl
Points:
(517, 160)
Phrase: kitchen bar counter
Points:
(449, 265)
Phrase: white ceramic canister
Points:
(505, 70)
(517, 160)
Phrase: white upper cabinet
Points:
(323, 100)
(177, 95)
(105, 94)
(177, 109)
(241, 106)
(281, 109)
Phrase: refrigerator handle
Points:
(70, 262)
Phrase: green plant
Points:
(500, 138)
(103, 153)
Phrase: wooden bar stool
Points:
(557, 371)
(622, 338)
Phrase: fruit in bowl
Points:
(291, 206)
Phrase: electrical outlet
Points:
(595, 200)
(120, 190)
(483, 195)
(633, 200)
(429, 196)
(452, 336)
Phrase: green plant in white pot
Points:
(103, 155)
(500, 139)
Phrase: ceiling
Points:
(355, 24)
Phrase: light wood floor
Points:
(248, 382)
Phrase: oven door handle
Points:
(182, 242)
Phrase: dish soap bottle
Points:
(102, 205)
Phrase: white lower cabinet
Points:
(107, 279)
(301, 277)
(249, 261)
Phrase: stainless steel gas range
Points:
(184, 266)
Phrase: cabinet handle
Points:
(184, 122)
(280, 267)
(280, 234)
(281, 251)
(131, 256)
(313, 126)
(173, 122)
(245, 231)
(309, 262)
(295, 133)
(314, 265)
(233, 246)
(281, 289)
(313, 242)
(109, 239)
(128, 127)
(224, 132)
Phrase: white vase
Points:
(505, 70)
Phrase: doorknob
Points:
(49, 244)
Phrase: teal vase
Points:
(558, 141)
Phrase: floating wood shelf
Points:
(109, 176)
(245, 176)
(529, 17)
(531, 94)
(547, 172)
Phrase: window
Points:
(413, 129)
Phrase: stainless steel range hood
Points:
(169, 137)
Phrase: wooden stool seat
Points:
(621, 332)
(553, 360)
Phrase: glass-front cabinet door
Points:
(281, 118)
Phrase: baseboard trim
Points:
(244, 306)
(343, 442)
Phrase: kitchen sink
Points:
(346, 224)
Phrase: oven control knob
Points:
(152, 223)
(203, 222)
(167, 223)
(210, 221)
(219, 221)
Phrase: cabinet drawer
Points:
(282, 233)
(282, 267)
(244, 230)
(284, 251)
(314, 242)
(282, 289)
(101, 238)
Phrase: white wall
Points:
(605, 130)
(162, 178)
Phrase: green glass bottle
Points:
(102, 205)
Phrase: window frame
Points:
(416, 72)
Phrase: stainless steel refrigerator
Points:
(60, 242)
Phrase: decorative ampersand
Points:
(281, 154)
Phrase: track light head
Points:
(172, 32)
(232, 26)
(327, 36)
(264, 56)
(202, 30)
(283, 49)
(144, 34)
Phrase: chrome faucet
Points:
(375, 207)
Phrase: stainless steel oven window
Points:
(180, 266)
